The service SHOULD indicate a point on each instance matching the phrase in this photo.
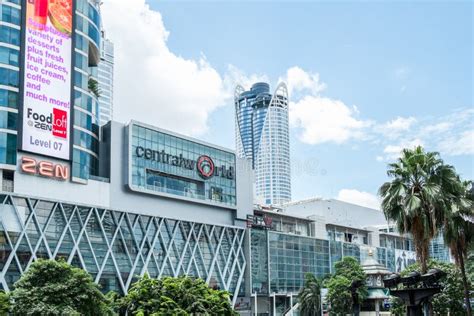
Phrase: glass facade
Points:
(115, 247)
(106, 82)
(164, 163)
(279, 261)
(87, 39)
(291, 257)
(10, 30)
(85, 158)
(262, 135)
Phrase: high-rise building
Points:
(81, 112)
(262, 135)
(106, 81)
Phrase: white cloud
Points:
(437, 128)
(299, 80)
(152, 84)
(393, 151)
(326, 120)
(235, 76)
(359, 198)
(462, 144)
(392, 129)
(399, 124)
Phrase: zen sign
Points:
(45, 169)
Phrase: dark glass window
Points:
(9, 35)
(80, 80)
(7, 148)
(81, 61)
(9, 77)
(86, 141)
(9, 56)
(11, 15)
(8, 98)
(8, 120)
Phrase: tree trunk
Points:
(465, 284)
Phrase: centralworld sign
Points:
(167, 164)
(204, 165)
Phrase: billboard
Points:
(403, 259)
(46, 110)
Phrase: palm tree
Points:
(459, 232)
(93, 86)
(309, 296)
(417, 199)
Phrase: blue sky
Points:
(380, 76)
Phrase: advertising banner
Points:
(404, 258)
(47, 78)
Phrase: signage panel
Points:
(165, 163)
(46, 86)
(46, 169)
(403, 259)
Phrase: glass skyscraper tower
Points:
(262, 135)
(106, 81)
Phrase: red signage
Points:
(59, 123)
(44, 168)
(205, 166)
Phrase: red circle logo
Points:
(205, 166)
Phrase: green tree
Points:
(93, 87)
(50, 287)
(397, 307)
(175, 296)
(450, 298)
(4, 303)
(347, 272)
(309, 296)
(339, 295)
(418, 197)
(470, 266)
(459, 232)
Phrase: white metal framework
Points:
(115, 247)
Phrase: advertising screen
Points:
(47, 78)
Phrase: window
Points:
(8, 148)
(9, 56)
(8, 120)
(10, 15)
(9, 35)
(9, 77)
(8, 98)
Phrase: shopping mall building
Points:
(127, 199)
(165, 204)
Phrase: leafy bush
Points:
(347, 271)
(175, 296)
(50, 287)
(4, 303)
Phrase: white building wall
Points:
(116, 195)
(337, 212)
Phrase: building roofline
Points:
(283, 214)
(317, 199)
(188, 138)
